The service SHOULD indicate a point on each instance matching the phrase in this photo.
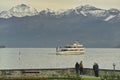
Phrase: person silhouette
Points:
(81, 67)
(96, 69)
(77, 67)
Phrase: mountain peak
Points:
(24, 5)
(21, 10)
(88, 7)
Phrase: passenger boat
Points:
(74, 49)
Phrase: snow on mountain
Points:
(115, 19)
(114, 16)
(83, 13)
(47, 12)
(79, 10)
(110, 17)
(85, 10)
(102, 14)
(5, 14)
(68, 12)
(114, 11)
(91, 10)
(86, 7)
(19, 11)
(97, 13)
(61, 11)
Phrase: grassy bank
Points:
(47, 78)
(91, 79)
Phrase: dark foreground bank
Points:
(53, 72)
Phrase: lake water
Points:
(46, 58)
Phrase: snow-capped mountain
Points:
(5, 14)
(87, 10)
(19, 11)
(83, 11)
(91, 11)
(93, 26)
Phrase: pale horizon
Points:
(58, 5)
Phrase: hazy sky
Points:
(60, 4)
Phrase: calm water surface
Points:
(42, 58)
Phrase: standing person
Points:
(77, 67)
(81, 67)
(96, 69)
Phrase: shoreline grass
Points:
(47, 78)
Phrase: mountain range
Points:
(24, 26)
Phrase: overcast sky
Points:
(60, 4)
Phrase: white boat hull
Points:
(70, 52)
